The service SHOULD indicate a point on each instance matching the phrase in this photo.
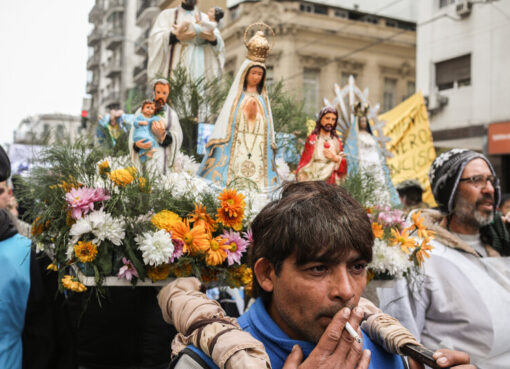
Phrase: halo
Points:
(262, 25)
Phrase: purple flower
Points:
(237, 246)
(81, 200)
(178, 245)
(248, 235)
(128, 271)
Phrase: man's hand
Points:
(184, 33)
(447, 359)
(208, 36)
(331, 155)
(141, 144)
(159, 130)
(336, 348)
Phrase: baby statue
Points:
(142, 129)
(214, 14)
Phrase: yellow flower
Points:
(377, 230)
(85, 251)
(70, 283)
(401, 239)
(231, 212)
(216, 254)
(200, 217)
(247, 277)
(195, 239)
(166, 220)
(52, 267)
(142, 183)
(104, 167)
(122, 177)
(159, 273)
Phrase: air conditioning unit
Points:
(463, 8)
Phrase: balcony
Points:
(141, 43)
(146, 12)
(113, 40)
(111, 100)
(140, 74)
(113, 68)
(94, 37)
(92, 87)
(93, 61)
(96, 13)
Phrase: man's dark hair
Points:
(218, 13)
(315, 221)
(412, 195)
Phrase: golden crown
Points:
(258, 46)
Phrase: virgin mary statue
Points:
(242, 145)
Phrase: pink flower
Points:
(178, 244)
(248, 235)
(128, 271)
(237, 246)
(81, 200)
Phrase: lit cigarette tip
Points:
(352, 332)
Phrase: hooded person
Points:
(242, 145)
(461, 297)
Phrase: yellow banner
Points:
(411, 143)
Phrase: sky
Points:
(43, 68)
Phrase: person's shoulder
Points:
(380, 358)
(192, 358)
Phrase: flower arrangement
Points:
(99, 216)
(398, 247)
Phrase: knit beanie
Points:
(445, 173)
(5, 165)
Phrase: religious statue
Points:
(142, 129)
(323, 158)
(242, 144)
(178, 39)
(364, 154)
(111, 126)
(166, 130)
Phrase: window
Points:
(452, 73)
(341, 13)
(345, 78)
(391, 23)
(371, 19)
(313, 8)
(411, 88)
(59, 133)
(390, 86)
(443, 3)
(311, 90)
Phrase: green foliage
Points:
(362, 187)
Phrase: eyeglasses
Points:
(480, 181)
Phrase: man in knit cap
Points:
(461, 299)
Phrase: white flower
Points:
(255, 201)
(102, 225)
(157, 248)
(283, 170)
(389, 259)
(185, 163)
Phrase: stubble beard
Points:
(470, 214)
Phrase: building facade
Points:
(112, 58)
(48, 128)
(462, 69)
(319, 43)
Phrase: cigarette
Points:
(352, 332)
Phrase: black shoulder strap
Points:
(189, 352)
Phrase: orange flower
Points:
(209, 276)
(181, 270)
(159, 273)
(377, 230)
(421, 230)
(401, 239)
(423, 251)
(85, 251)
(200, 217)
(231, 213)
(166, 220)
(52, 267)
(195, 239)
(142, 184)
(216, 254)
(104, 167)
(71, 283)
(37, 227)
